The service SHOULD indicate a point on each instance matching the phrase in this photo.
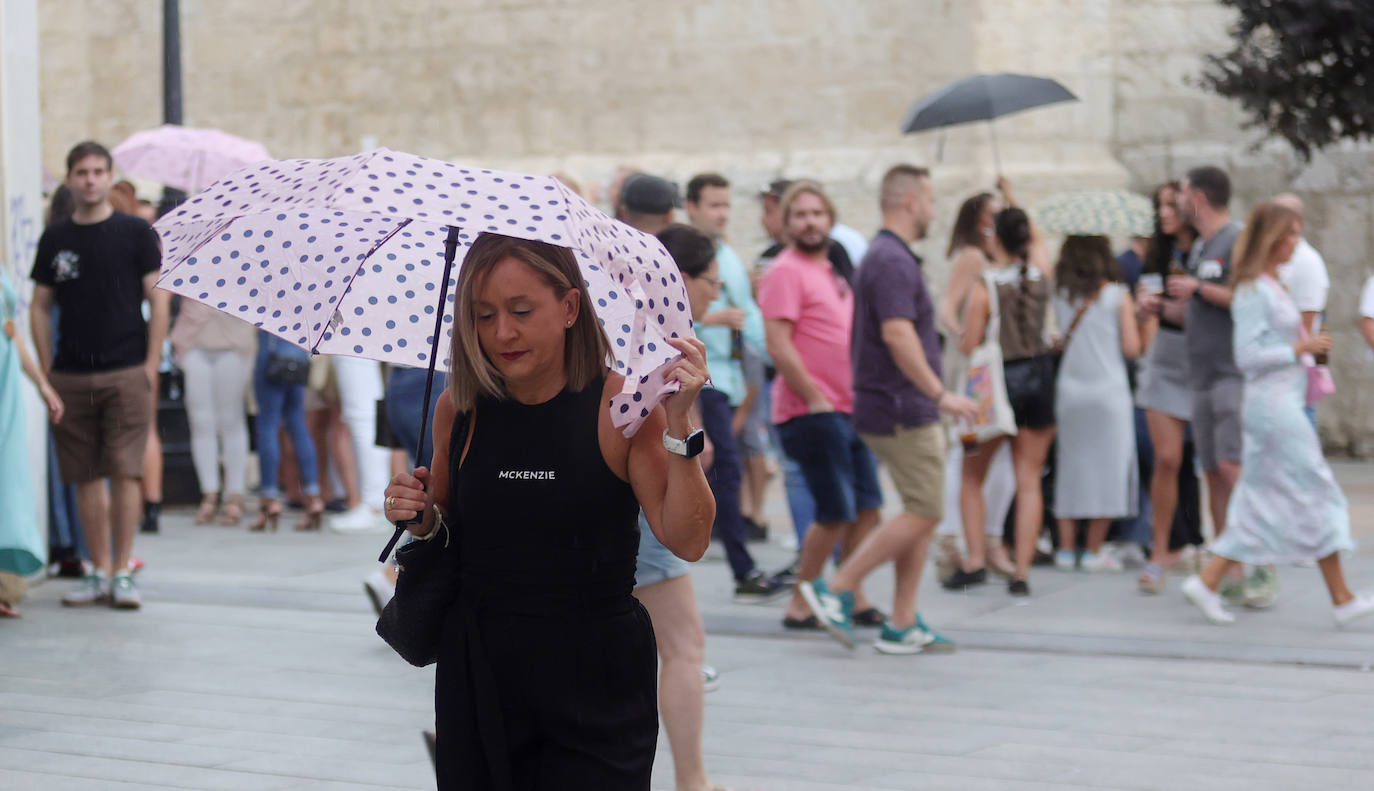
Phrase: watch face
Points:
(696, 443)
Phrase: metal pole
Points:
(171, 85)
(450, 253)
(996, 155)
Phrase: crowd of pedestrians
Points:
(830, 359)
(1119, 371)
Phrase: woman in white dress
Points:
(1096, 474)
(970, 252)
(1287, 506)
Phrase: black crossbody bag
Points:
(412, 623)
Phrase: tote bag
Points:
(983, 381)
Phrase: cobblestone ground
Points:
(253, 666)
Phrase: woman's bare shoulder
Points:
(969, 259)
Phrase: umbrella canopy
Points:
(186, 158)
(983, 97)
(1096, 213)
(346, 256)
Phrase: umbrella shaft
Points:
(450, 252)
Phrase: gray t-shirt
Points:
(1211, 355)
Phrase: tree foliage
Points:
(1302, 69)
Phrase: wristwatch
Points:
(688, 448)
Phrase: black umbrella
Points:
(984, 97)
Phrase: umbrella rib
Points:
(315, 346)
(197, 248)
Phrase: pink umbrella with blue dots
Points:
(357, 256)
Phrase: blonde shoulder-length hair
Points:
(1266, 226)
(586, 349)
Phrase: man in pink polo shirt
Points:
(809, 313)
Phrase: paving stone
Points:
(254, 666)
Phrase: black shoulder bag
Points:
(413, 621)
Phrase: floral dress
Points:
(1287, 505)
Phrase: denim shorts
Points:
(840, 471)
(656, 562)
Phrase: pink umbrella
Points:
(354, 256)
(186, 158)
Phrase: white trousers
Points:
(216, 386)
(360, 388)
(998, 490)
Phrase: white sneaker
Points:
(1358, 607)
(1099, 561)
(1065, 560)
(94, 589)
(710, 679)
(123, 594)
(1207, 600)
(361, 518)
(379, 590)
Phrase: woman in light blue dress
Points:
(1287, 505)
(22, 550)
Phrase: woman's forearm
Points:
(689, 509)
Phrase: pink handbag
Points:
(1319, 381)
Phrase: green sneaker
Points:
(938, 643)
(123, 594)
(835, 610)
(94, 589)
(1261, 588)
(1232, 590)
(911, 640)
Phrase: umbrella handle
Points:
(450, 252)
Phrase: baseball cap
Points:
(776, 188)
(648, 194)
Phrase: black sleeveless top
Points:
(543, 524)
(542, 529)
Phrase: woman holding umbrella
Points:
(547, 671)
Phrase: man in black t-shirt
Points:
(98, 267)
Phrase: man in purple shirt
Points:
(898, 398)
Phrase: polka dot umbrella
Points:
(1096, 213)
(348, 256)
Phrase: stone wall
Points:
(1164, 124)
(755, 89)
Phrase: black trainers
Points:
(758, 588)
(1018, 588)
(965, 579)
(754, 532)
(788, 576)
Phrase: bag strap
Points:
(1078, 317)
(993, 333)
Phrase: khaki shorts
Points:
(105, 427)
(915, 457)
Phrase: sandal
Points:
(314, 515)
(870, 617)
(232, 513)
(808, 624)
(6, 611)
(209, 502)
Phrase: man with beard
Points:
(898, 398)
(1218, 387)
(808, 311)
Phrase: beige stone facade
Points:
(755, 89)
